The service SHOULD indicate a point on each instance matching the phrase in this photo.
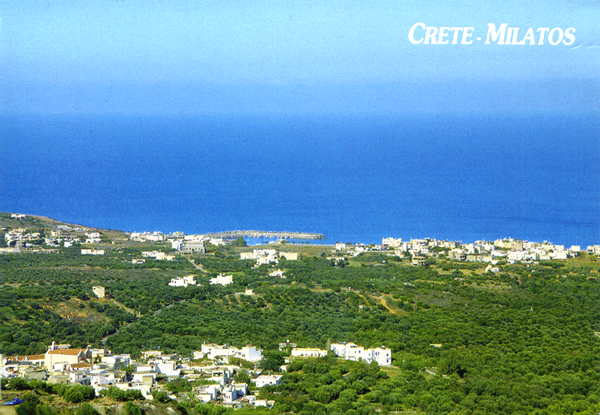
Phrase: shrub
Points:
(133, 409)
(86, 409)
(18, 384)
(30, 401)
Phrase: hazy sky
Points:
(292, 56)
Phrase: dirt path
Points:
(122, 306)
(198, 266)
(383, 302)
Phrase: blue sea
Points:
(352, 178)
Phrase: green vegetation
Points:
(524, 340)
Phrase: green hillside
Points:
(524, 340)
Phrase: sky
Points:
(159, 57)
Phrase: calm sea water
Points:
(352, 178)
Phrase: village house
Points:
(102, 379)
(418, 260)
(340, 246)
(233, 392)
(158, 255)
(277, 273)
(593, 249)
(99, 291)
(266, 260)
(308, 352)
(222, 279)
(268, 256)
(208, 393)
(264, 380)
(350, 351)
(192, 247)
(93, 238)
(59, 359)
(457, 255)
(117, 360)
(24, 366)
(145, 374)
(147, 237)
(257, 253)
(182, 282)
(391, 242)
(491, 268)
(217, 241)
(214, 351)
(157, 366)
(92, 252)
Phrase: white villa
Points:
(351, 351)
(222, 279)
(212, 351)
(182, 282)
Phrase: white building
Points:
(340, 246)
(99, 291)
(148, 236)
(213, 351)
(93, 238)
(101, 379)
(251, 353)
(264, 380)
(232, 392)
(166, 368)
(158, 255)
(351, 351)
(92, 252)
(266, 260)
(208, 393)
(277, 273)
(117, 359)
(182, 282)
(391, 242)
(594, 249)
(308, 352)
(222, 279)
(247, 255)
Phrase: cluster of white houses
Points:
(186, 281)
(19, 239)
(185, 244)
(215, 351)
(268, 256)
(508, 249)
(213, 363)
(349, 351)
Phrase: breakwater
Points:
(266, 234)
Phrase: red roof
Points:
(80, 365)
(29, 358)
(71, 352)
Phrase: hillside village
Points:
(214, 367)
(399, 315)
